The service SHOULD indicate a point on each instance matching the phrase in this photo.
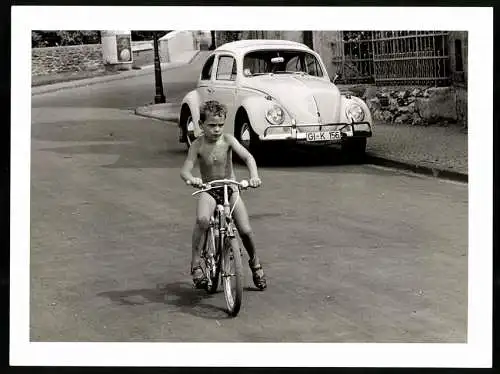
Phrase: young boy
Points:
(213, 151)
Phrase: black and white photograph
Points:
(266, 183)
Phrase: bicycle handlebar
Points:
(209, 185)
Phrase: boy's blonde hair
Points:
(212, 108)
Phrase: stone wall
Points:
(53, 60)
(142, 53)
(143, 57)
(415, 105)
(461, 97)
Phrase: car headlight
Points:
(275, 115)
(355, 113)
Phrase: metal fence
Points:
(354, 57)
(394, 57)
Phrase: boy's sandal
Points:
(199, 279)
(258, 276)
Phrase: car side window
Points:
(226, 68)
(206, 72)
(312, 66)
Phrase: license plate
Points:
(323, 136)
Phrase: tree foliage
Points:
(69, 37)
(228, 36)
(146, 35)
(64, 37)
(355, 36)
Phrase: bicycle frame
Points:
(227, 251)
(226, 224)
(221, 222)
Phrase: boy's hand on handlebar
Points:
(195, 182)
(255, 182)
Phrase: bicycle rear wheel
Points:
(232, 275)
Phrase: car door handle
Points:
(210, 90)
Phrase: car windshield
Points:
(281, 62)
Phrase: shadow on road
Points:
(300, 156)
(181, 295)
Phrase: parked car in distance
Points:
(276, 91)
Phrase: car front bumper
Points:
(300, 132)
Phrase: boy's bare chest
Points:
(214, 154)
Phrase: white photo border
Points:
(477, 352)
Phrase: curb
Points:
(70, 81)
(173, 118)
(418, 169)
(144, 111)
(43, 89)
(194, 56)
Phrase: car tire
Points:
(354, 149)
(186, 123)
(247, 137)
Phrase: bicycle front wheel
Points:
(215, 264)
(232, 275)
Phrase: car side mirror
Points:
(337, 76)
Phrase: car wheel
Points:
(247, 137)
(187, 127)
(354, 149)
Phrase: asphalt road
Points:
(353, 253)
(131, 92)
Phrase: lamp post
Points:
(160, 96)
(213, 44)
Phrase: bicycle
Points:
(221, 248)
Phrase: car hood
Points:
(302, 96)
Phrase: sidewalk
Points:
(164, 112)
(437, 151)
(46, 84)
(432, 150)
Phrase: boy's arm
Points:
(244, 155)
(187, 168)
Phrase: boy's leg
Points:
(245, 230)
(204, 209)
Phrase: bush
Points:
(139, 36)
(224, 37)
(63, 37)
(79, 37)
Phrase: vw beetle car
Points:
(276, 91)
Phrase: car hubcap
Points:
(245, 135)
(190, 130)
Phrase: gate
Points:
(353, 57)
(411, 58)
(393, 57)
